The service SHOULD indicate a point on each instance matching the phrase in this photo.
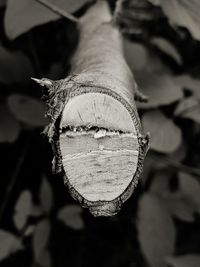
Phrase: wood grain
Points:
(100, 169)
(95, 129)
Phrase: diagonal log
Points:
(95, 130)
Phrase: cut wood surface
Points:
(95, 129)
(99, 168)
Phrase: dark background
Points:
(40, 224)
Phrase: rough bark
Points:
(95, 130)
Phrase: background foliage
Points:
(40, 225)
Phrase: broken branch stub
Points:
(95, 129)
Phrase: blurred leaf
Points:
(185, 104)
(41, 238)
(44, 259)
(70, 215)
(180, 206)
(150, 165)
(190, 187)
(155, 65)
(183, 13)
(160, 183)
(29, 230)
(165, 135)
(156, 231)
(36, 210)
(180, 153)
(135, 54)
(188, 82)
(189, 108)
(15, 67)
(23, 15)
(152, 76)
(10, 127)
(27, 109)
(2, 3)
(166, 47)
(46, 195)
(159, 87)
(9, 244)
(139, 58)
(23, 209)
(155, 2)
(188, 260)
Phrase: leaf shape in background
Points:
(9, 244)
(23, 15)
(150, 165)
(165, 135)
(160, 183)
(139, 58)
(27, 109)
(166, 47)
(135, 54)
(10, 127)
(183, 13)
(36, 211)
(189, 108)
(44, 259)
(155, 2)
(152, 76)
(180, 206)
(15, 67)
(193, 114)
(29, 230)
(23, 209)
(185, 104)
(156, 231)
(70, 215)
(188, 260)
(190, 187)
(180, 153)
(2, 3)
(41, 238)
(46, 195)
(159, 87)
(188, 82)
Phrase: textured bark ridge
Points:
(95, 129)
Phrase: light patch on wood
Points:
(100, 169)
(99, 146)
(100, 110)
(100, 134)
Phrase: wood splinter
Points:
(95, 130)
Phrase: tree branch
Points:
(57, 10)
(177, 165)
(95, 129)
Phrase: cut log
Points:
(95, 129)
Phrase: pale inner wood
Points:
(99, 166)
(95, 109)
